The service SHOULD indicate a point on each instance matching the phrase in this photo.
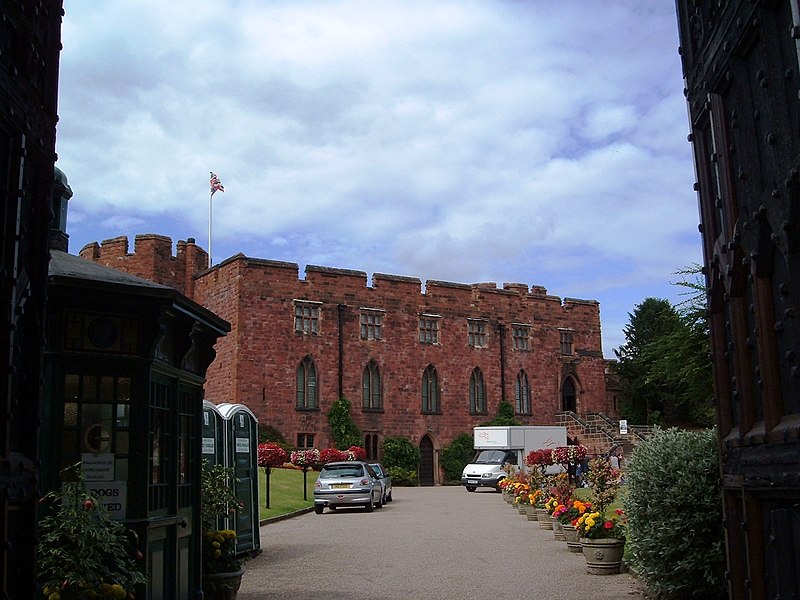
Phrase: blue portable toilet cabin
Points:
(241, 453)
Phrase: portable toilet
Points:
(241, 453)
(213, 452)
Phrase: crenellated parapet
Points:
(152, 259)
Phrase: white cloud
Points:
(460, 140)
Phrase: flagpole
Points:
(210, 196)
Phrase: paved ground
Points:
(433, 543)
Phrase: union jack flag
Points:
(216, 184)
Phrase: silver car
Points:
(347, 483)
(386, 480)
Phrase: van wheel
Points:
(471, 488)
(318, 508)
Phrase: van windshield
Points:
(490, 457)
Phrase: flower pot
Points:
(572, 539)
(603, 556)
(521, 508)
(545, 522)
(530, 512)
(558, 530)
(222, 586)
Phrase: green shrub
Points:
(343, 429)
(400, 452)
(674, 510)
(456, 456)
(505, 416)
(403, 477)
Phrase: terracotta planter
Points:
(545, 522)
(222, 586)
(572, 539)
(558, 530)
(530, 512)
(603, 556)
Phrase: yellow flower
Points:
(54, 596)
(118, 592)
(217, 553)
(590, 523)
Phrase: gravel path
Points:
(437, 543)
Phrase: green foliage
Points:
(344, 431)
(267, 433)
(82, 551)
(505, 416)
(675, 514)
(217, 494)
(456, 456)
(400, 452)
(403, 477)
(664, 364)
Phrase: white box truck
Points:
(498, 446)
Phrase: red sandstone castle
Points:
(425, 365)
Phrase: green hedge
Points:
(456, 456)
(674, 508)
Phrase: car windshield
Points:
(339, 472)
(490, 457)
(377, 469)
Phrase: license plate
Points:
(340, 486)
(472, 481)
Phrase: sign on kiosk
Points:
(113, 495)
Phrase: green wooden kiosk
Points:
(125, 364)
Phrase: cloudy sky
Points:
(533, 141)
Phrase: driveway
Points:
(431, 543)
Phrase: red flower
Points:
(88, 504)
(608, 524)
(619, 511)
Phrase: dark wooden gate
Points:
(740, 62)
(30, 42)
(426, 461)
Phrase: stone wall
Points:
(257, 362)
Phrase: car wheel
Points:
(471, 488)
(389, 497)
(369, 506)
(318, 508)
(379, 503)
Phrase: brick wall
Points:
(256, 364)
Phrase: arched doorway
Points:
(568, 395)
(426, 461)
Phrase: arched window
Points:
(430, 391)
(523, 395)
(371, 387)
(477, 393)
(306, 384)
(568, 395)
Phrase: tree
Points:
(664, 364)
(650, 321)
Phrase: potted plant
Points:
(568, 515)
(83, 552)
(222, 570)
(602, 536)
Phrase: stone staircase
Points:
(599, 433)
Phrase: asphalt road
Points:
(432, 543)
